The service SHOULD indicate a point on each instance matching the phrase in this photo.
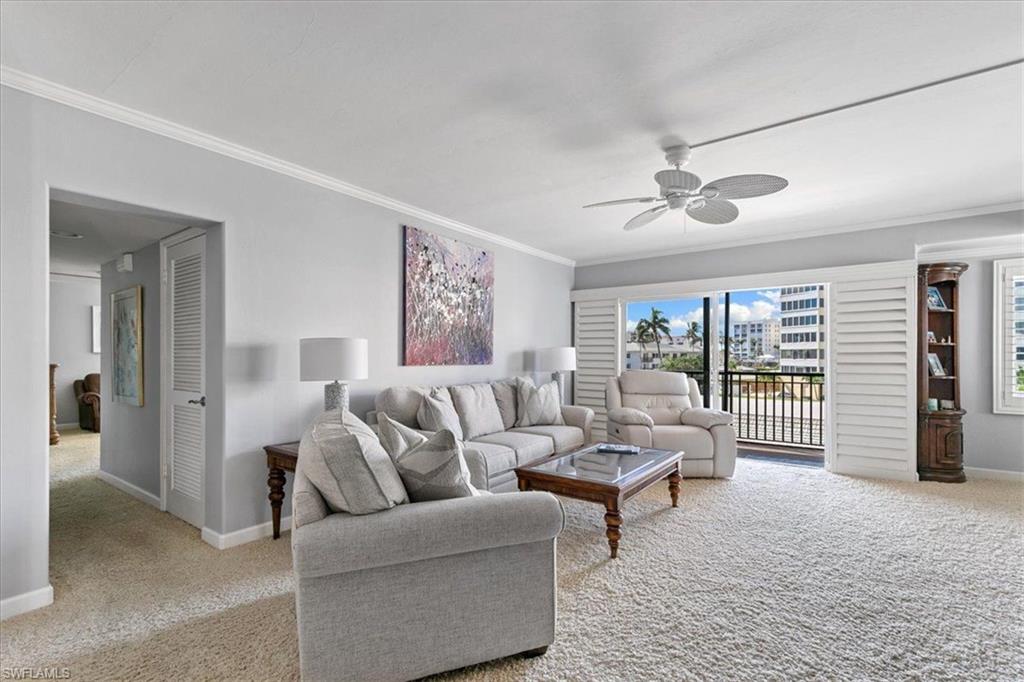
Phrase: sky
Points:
(743, 305)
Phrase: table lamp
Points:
(559, 360)
(336, 360)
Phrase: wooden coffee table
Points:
(608, 479)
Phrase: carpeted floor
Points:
(781, 573)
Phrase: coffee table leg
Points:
(613, 521)
(673, 486)
(276, 483)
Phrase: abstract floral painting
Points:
(126, 342)
(449, 301)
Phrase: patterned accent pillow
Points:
(397, 438)
(437, 412)
(538, 406)
(436, 469)
(505, 397)
(344, 460)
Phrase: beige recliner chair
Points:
(665, 410)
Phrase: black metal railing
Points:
(773, 407)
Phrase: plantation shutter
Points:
(1008, 314)
(873, 372)
(598, 356)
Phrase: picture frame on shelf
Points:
(935, 300)
(931, 337)
(947, 405)
(935, 365)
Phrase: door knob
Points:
(201, 402)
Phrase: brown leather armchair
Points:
(87, 392)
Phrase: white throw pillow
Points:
(538, 406)
(505, 397)
(478, 410)
(435, 469)
(437, 412)
(344, 460)
(397, 438)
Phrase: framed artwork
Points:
(935, 365)
(449, 301)
(126, 345)
(95, 328)
(935, 301)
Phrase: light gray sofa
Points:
(664, 410)
(422, 587)
(493, 457)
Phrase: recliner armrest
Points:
(89, 398)
(705, 417)
(341, 543)
(580, 417)
(630, 415)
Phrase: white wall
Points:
(71, 301)
(130, 446)
(298, 260)
(991, 441)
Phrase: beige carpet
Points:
(781, 573)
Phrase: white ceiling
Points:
(106, 234)
(510, 116)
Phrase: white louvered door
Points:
(186, 372)
(598, 335)
(873, 376)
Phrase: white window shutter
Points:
(873, 376)
(1008, 335)
(598, 335)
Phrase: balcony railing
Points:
(774, 407)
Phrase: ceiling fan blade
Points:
(645, 217)
(744, 186)
(615, 202)
(677, 180)
(714, 212)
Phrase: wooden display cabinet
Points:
(940, 439)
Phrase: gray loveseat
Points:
(492, 457)
(422, 587)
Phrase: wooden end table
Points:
(606, 478)
(280, 458)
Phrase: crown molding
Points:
(821, 232)
(982, 247)
(77, 99)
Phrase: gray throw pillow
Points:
(478, 411)
(436, 469)
(344, 460)
(538, 406)
(397, 438)
(437, 412)
(505, 397)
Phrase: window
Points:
(1008, 347)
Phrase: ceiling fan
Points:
(708, 204)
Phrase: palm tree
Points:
(657, 323)
(643, 334)
(694, 335)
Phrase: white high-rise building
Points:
(803, 329)
(755, 338)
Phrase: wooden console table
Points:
(280, 458)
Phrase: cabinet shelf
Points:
(942, 310)
(939, 343)
(948, 376)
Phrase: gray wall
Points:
(850, 248)
(298, 260)
(130, 445)
(991, 441)
(71, 301)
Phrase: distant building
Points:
(802, 347)
(756, 338)
(646, 357)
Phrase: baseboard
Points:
(23, 603)
(130, 488)
(994, 474)
(240, 537)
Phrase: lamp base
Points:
(560, 378)
(335, 396)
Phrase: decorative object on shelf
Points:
(558, 361)
(935, 300)
(449, 301)
(126, 342)
(940, 441)
(54, 436)
(335, 360)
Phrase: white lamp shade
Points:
(327, 359)
(561, 359)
